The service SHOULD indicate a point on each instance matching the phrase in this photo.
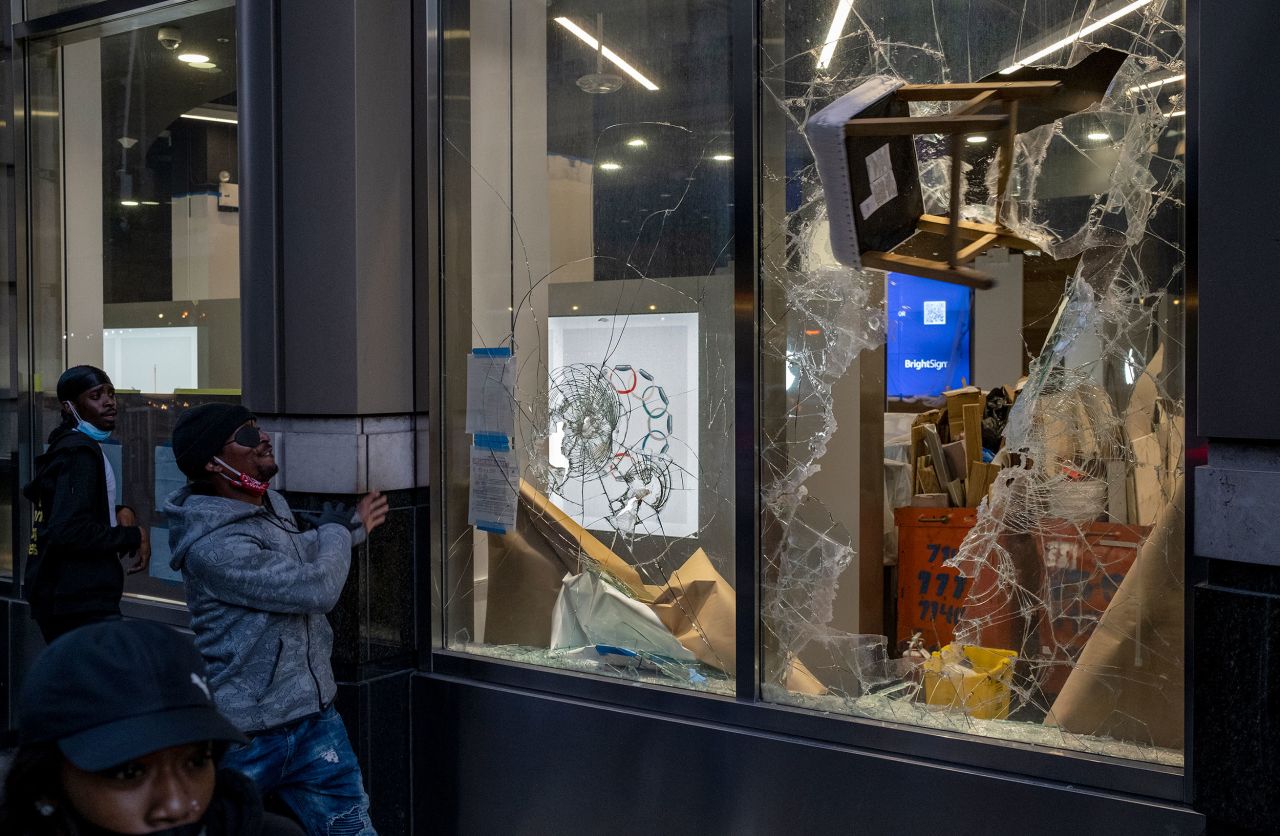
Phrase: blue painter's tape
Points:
(492, 528)
(493, 441)
(502, 351)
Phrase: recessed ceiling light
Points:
(1160, 82)
(207, 117)
(838, 20)
(204, 65)
(193, 58)
(722, 158)
(610, 166)
(975, 139)
(1089, 29)
(609, 54)
(637, 142)
(1098, 136)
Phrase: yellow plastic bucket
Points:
(975, 680)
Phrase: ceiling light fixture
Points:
(610, 166)
(1098, 136)
(975, 139)
(1070, 39)
(205, 65)
(590, 41)
(838, 21)
(1157, 83)
(637, 142)
(193, 58)
(128, 203)
(722, 158)
(209, 114)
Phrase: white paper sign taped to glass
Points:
(494, 484)
(491, 377)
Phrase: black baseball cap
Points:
(110, 692)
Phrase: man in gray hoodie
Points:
(258, 588)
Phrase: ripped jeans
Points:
(310, 765)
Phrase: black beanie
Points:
(77, 380)
(201, 432)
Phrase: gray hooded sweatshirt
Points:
(258, 590)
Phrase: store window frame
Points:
(746, 710)
(97, 20)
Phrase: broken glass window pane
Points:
(588, 227)
(1042, 602)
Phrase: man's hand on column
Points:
(372, 510)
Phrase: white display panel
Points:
(623, 398)
(154, 360)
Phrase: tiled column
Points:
(341, 459)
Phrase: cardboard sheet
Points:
(1128, 682)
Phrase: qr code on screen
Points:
(935, 313)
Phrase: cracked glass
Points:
(1013, 570)
(969, 446)
(587, 169)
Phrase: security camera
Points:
(170, 37)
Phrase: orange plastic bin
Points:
(930, 596)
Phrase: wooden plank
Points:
(975, 484)
(928, 479)
(1006, 160)
(976, 248)
(1006, 90)
(957, 201)
(972, 431)
(970, 231)
(909, 126)
(917, 445)
(927, 269)
(975, 104)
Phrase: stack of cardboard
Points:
(947, 464)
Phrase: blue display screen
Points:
(928, 336)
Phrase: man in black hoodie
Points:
(78, 533)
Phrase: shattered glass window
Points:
(587, 179)
(977, 529)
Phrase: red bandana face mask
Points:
(243, 481)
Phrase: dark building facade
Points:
(671, 544)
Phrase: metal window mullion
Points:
(744, 29)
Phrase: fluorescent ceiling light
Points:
(610, 166)
(128, 203)
(1098, 136)
(838, 21)
(590, 41)
(1070, 39)
(205, 65)
(193, 58)
(976, 139)
(722, 158)
(1158, 83)
(226, 116)
(637, 142)
(150, 203)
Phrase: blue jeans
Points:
(310, 765)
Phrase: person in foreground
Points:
(78, 532)
(258, 588)
(118, 734)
